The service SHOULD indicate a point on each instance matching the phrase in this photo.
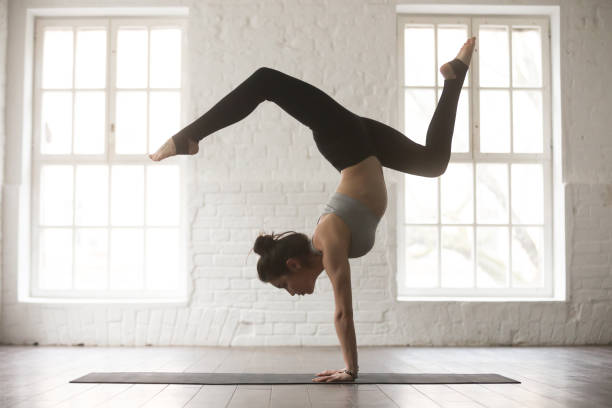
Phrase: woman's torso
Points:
(363, 181)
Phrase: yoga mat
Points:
(268, 378)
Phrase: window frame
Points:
(109, 158)
(474, 156)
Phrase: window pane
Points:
(90, 58)
(56, 123)
(461, 132)
(526, 56)
(421, 257)
(421, 200)
(450, 39)
(131, 117)
(457, 257)
(57, 58)
(89, 112)
(419, 106)
(166, 58)
(491, 193)
(162, 258)
(527, 257)
(90, 258)
(494, 121)
(457, 189)
(493, 56)
(127, 196)
(56, 195)
(91, 195)
(492, 257)
(127, 258)
(419, 62)
(527, 121)
(163, 195)
(132, 58)
(527, 194)
(55, 258)
(164, 117)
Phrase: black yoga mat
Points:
(268, 378)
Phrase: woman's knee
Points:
(437, 165)
(265, 72)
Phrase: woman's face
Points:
(301, 279)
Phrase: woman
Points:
(358, 147)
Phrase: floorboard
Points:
(551, 377)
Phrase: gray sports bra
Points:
(361, 221)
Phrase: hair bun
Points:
(263, 244)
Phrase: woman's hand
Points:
(332, 376)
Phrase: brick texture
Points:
(265, 173)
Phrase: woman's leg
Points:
(306, 103)
(398, 152)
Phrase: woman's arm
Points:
(336, 264)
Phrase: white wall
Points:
(3, 32)
(265, 173)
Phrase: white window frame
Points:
(108, 158)
(553, 282)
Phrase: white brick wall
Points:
(3, 33)
(266, 174)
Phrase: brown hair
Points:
(275, 249)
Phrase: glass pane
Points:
(55, 258)
(527, 121)
(494, 121)
(164, 117)
(457, 257)
(166, 58)
(421, 200)
(132, 58)
(57, 58)
(56, 195)
(127, 258)
(89, 122)
(131, 126)
(493, 56)
(457, 194)
(419, 61)
(90, 258)
(526, 56)
(56, 123)
(450, 40)
(91, 195)
(491, 193)
(163, 195)
(90, 58)
(492, 257)
(421, 257)
(527, 194)
(461, 131)
(527, 257)
(162, 258)
(127, 196)
(419, 106)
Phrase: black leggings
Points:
(317, 110)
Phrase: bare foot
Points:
(465, 55)
(168, 149)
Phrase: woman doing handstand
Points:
(358, 147)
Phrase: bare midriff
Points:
(363, 181)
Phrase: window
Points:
(484, 228)
(106, 220)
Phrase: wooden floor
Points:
(556, 377)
